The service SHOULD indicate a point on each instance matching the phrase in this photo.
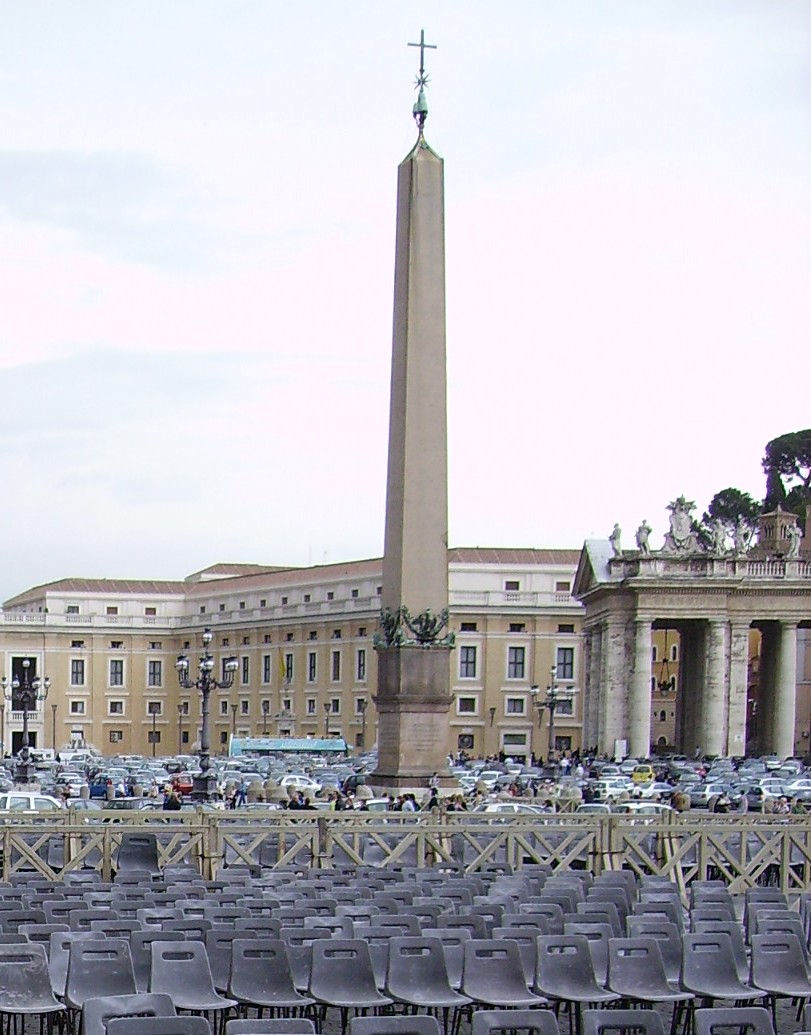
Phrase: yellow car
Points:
(643, 774)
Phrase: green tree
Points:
(731, 506)
(787, 460)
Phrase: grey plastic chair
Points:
(261, 977)
(25, 986)
(99, 1010)
(453, 946)
(405, 1024)
(565, 974)
(158, 1026)
(275, 1026)
(636, 972)
(98, 966)
(181, 970)
(418, 977)
(622, 1022)
(709, 969)
(745, 1020)
(598, 936)
(669, 938)
(141, 950)
(779, 969)
(299, 944)
(343, 977)
(493, 974)
(502, 1022)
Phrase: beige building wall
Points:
(303, 640)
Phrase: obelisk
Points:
(413, 643)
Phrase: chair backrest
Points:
(137, 854)
(184, 1025)
(527, 942)
(550, 911)
(141, 949)
(98, 966)
(24, 977)
(636, 968)
(181, 965)
(500, 1022)
(59, 954)
(404, 1024)
(274, 1026)
(640, 1022)
(597, 936)
(263, 964)
(668, 936)
(417, 966)
(218, 942)
(778, 960)
(607, 913)
(453, 945)
(340, 964)
(708, 959)
(744, 1020)
(98, 1010)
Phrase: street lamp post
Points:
(180, 729)
(327, 710)
(206, 781)
(53, 729)
(554, 696)
(265, 710)
(363, 704)
(27, 693)
(234, 721)
(154, 711)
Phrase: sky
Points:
(197, 205)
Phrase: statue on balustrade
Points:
(681, 538)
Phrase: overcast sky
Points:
(197, 207)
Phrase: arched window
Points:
(662, 716)
(653, 684)
(674, 652)
(654, 654)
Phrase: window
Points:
(242, 605)
(263, 602)
(150, 612)
(566, 627)
(116, 644)
(77, 708)
(330, 595)
(223, 737)
(336, 666)
(77, 644)
(246, 671)
(515, 706)
(662, 716)
(515, 662)
(289, 637)
(563, 587)
(116, 672)
(111, 610)
(335, 705)
(466, 705)
(222, 607)
(355, 594)
(287, 705)
(361, 705)
(517, 627)
(267, 638)
(362, 630)
(155, 673)
(307, 598)
(226, 642)
(154, 707)
(512, 586)
(202, 609)
(284, 600)
(184, 708)
(153, 737)
(288, 668)
(223, 707)
(467, 662)
(360, 668)
(674, 652)
(115, 707)
(379, 591)
(565, 663)
(245, 707)
(313, 634)
(654, 654)
(336, 634)
(266, 668)
(155, 645)
(184, 736)
(565, 706)
(311, 706)
(72, 609)
(246, 641)
(77, 672)
(469, 627)
(311, 666)
(116, 736)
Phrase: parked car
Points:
(28, 801)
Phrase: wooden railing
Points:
(742, 850)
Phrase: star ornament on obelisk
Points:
(413, 642)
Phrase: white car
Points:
(300, 783)
(511, 808)
(28, 801)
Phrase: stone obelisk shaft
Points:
(413, 682)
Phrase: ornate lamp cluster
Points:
(554, 696)
(27, 693)
(205, 781)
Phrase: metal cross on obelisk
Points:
(421, 105)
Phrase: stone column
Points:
(593, 689)
(612, 711)
(785, 690)
(713, 715)
(738, 688)
(639, 697)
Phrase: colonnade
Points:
(711, 703)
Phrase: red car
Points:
(183, 783)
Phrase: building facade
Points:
(307, 666)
